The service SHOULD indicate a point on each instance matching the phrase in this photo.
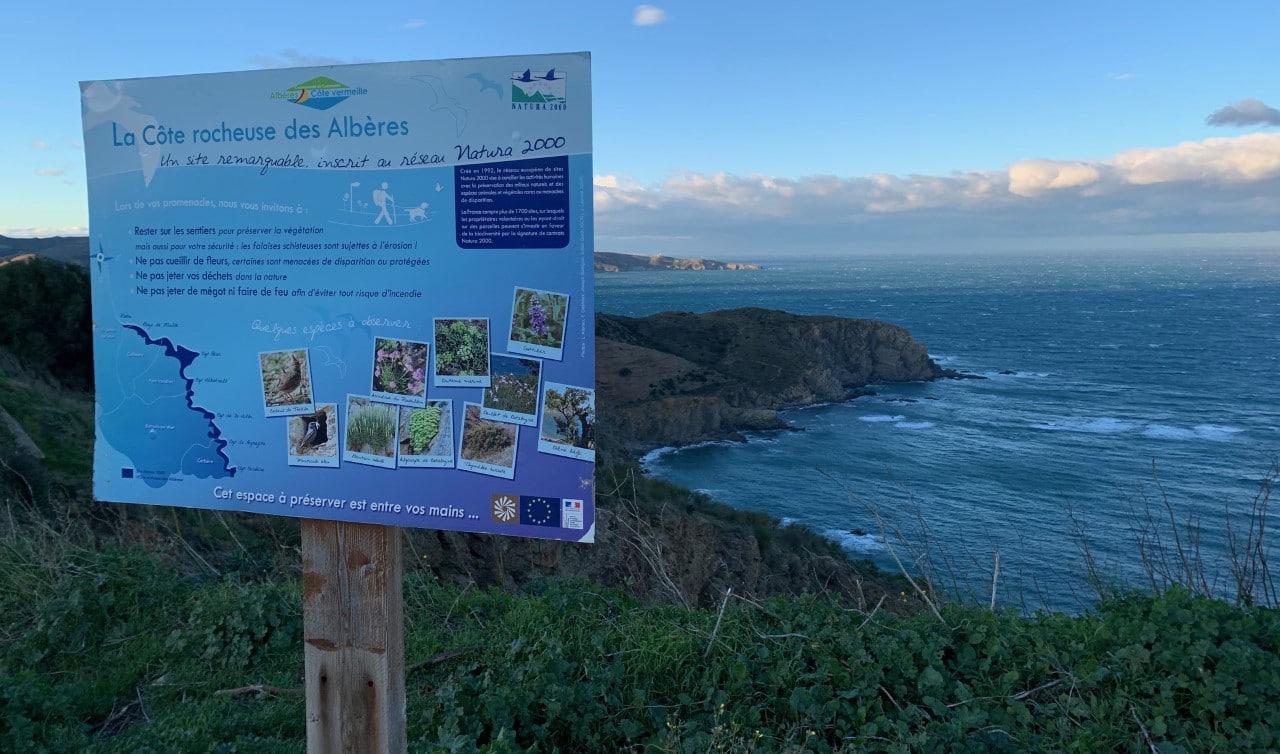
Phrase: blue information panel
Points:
(359, 293)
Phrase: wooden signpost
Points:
(353, 616)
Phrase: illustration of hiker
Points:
(380, 200)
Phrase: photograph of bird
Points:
(285, 378)
(315, 432)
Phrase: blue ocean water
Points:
(1113, 379)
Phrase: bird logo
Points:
(486, 83)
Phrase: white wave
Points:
(657, 454)
(1216, 432)
(877, 418)
(1100, 425)
(1211, 432)
(648, 459)
(1165, 432)
(855, 541)
(913, 425)
(1012, 375)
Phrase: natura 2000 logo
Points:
(538, 91)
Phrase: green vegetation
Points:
(371, 428)
(424, 425)
(144, 630)
(47, 320)
(462, 347)
(112, 649)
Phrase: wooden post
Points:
(353, 622)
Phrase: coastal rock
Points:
(677, 378)
(613, 262)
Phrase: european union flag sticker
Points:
(540, 511)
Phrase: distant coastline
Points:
(75, 250)
(607, 261)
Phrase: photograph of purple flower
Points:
(512, 395)
(400, 368)
(537, 322)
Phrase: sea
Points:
(1128, 397)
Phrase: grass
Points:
(125, 627)
(112, 650)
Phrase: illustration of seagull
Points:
(106, 103)
(526, 77)
(444, 102)
(486, 83)
(332, 360)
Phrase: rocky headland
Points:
(607, 261)
(678, 378)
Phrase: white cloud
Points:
(648, 15)
(40, 144)
(50, 171)
(1032, 177)
(416, 23)
(1121, 76)
(45, 232)
(1220, 185)
(1242, 159)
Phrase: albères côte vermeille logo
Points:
(319, 93)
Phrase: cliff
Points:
(612, 262)
(677, 378)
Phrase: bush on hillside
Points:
(48, 320)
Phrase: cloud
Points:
(1214, 186)
(50, 171)
(416, 23)
(1246, 112)
(1031, 177)
(40, 144)
(45, 232)
(1122, 76)
(648, 15)
(292, 58)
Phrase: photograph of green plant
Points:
(462, 347)
(286, 377)
(513, 384)
(485, 441)
(371, 427)
(538, 317)
(427, 431)
(399, 367)
(569, 416)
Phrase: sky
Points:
(752, 130)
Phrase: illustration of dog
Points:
(417, 213)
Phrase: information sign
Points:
(358, 293)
